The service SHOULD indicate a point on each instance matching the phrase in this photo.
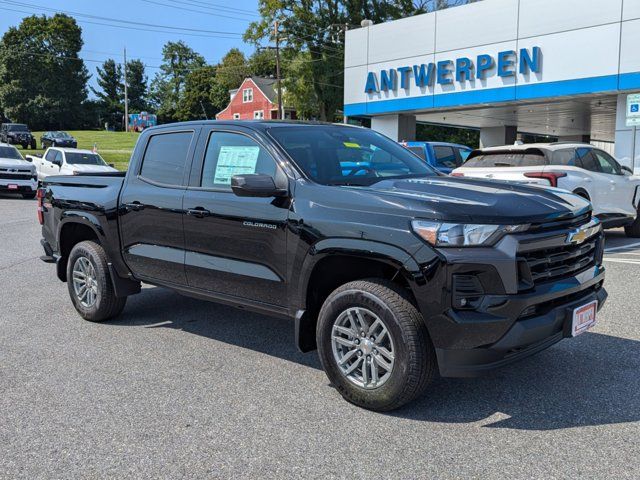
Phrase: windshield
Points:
(337, 155)
(10, 152)
(17, 128)
(60, 135)
(76, 158)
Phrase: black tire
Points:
(29, 196)
(633, 230)
(24, 146)
(34, 145)
(106, 304)
(415, 363)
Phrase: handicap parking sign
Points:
(635, 108)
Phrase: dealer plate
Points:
(12, 186)
(584, 318)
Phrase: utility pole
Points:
(126, 93)
(277, 35)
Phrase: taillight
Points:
(457, 174)
(40, 193)
(551, 177)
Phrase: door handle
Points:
(135, 206)
(198, 212)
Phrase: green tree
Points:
(110, 94)
(168, 85)
(230, 73)
(262, 62)
(298, 88)
(196, 101)
(317, 27)
(42, 78)
(137, 90)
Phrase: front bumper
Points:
(526, 336)
(518, 311)
(18, 186)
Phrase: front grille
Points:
(558, 262)
(16, 176)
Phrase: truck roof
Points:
(254, 124)
(74, 150)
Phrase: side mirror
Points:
(112, 165)
(57, 162)
(626, 170)
(256, 185)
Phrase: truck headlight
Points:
(462, 234)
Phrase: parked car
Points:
(17, 134)
(440, 155)
(68, 161)
(576, 167)
(58, 139)
(393, 274)
(16, 174)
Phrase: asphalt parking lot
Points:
(181, 388)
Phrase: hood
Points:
(92, 168)
(453, 199)
(13, 163)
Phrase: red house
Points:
(255, 99)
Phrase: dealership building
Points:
(567, 69)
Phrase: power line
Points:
(132, 28)
(197, 11)
(117, 20)
(214, 6)
(218, 5)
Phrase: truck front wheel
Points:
(374, 346)
(90, 285)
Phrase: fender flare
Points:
(123, 287)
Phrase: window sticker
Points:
(351, 145)
(235, 160)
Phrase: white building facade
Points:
(562, 68)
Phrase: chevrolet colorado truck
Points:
(393, 271)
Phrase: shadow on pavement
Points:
(591, 380)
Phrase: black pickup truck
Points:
(393, 271)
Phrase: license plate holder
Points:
(583, 318)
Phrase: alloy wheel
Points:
(363, 347)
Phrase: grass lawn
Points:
(114, 147)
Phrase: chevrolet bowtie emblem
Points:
(577, 236)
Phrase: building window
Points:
(247, 95)
(258, 114)
(236, 116)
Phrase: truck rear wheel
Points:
(374, 346)
(89, 283)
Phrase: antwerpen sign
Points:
(446, 72)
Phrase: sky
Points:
(102, 42)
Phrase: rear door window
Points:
(419, 151)
(445, 156)
(566, 157)
(587, 159)
(507, 159)
(51, 154)
(165, 158)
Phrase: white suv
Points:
(579, 168)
